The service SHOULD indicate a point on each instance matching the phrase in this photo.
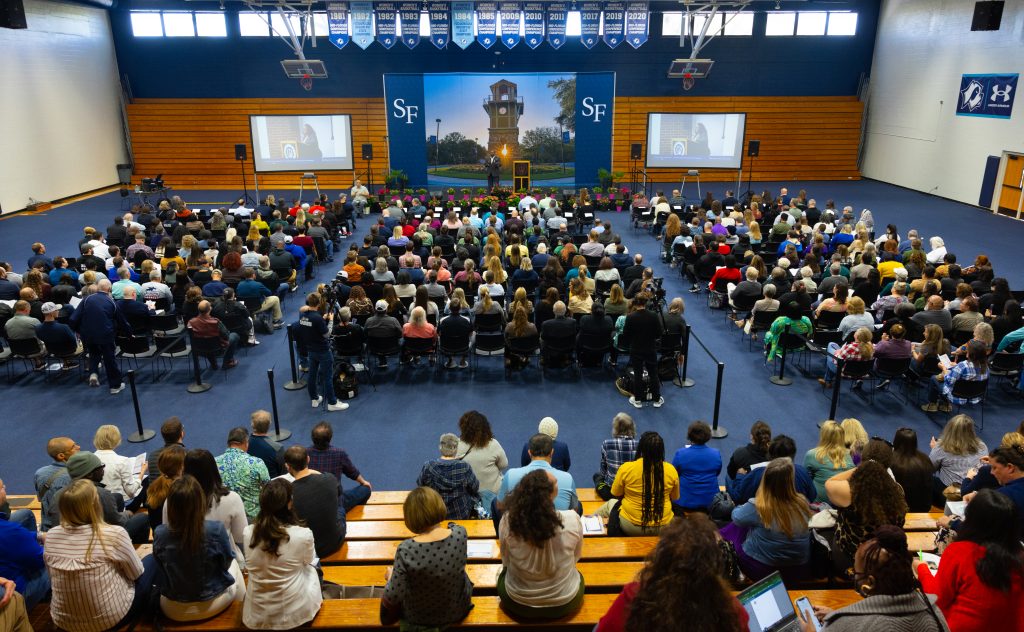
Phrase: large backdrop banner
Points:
(441, 127)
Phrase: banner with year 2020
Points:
(637, 19)
(337, 23)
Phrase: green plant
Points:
(397, 179)
(604, 177)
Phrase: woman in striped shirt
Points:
(98, 581)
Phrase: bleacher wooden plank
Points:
(485, 576)
(23, 502)
(387, 497)
(393, 529)
(394, 511)
(921, 541)
(920, 522)
(487, 612)
(594, 549)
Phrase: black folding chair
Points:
(382, 347)
(1007, 366)
(526, 347)
(554, 352)
(969, 390)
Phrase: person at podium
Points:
(493, 167)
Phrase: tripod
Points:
(750, 175)
(246, 198)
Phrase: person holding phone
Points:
(884, 577)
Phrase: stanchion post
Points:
(781, 379)
(279, 435)
(198, 386)
(717, 431)
(682, 381)
(296, 383)
(142, 434)
(836, 383)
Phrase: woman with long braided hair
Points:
(647, 487)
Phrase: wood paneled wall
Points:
(805, 138)
(191, 141)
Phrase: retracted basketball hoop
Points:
(305, 70)
(690, 70)
(687, 81)
(306, 82)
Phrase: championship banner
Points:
(614, 23)
(637, 19)
(590, 23)
(362, 24)
(337, 23)
(556, 18)
(988, 96)
(387, 23)
(439, 23)
(510, 14)
(409, 13)
(462, 24)
(486, 23)
(533, 19)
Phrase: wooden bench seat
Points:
(594, 549)
(363, 614)
(394, 512)
(394, 529)
(485, 576)
(398, 497)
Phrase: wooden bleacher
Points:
(376, 529)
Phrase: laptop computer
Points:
(768, 606)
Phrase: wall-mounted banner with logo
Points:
(989, 96)
(614, 23)
(637, 18)
(439, 23)
(387, 23)
(556, 18)
(590, 23)
(337, 23)
(462, 24)
(409, 13)
(592, 124)
(533, 23)
(511, 12)
(486, 23)
(362, 24)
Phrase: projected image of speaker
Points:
(12, 14)
(367, 151)
(302, 142)
(697, 140)
(754, 148)
(988, 15)
(636, 151)
(240, 153)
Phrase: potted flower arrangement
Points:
(451, 194)
(481, 191)
(465, 193)
(513, 200)
(382, 194)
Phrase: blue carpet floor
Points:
(390, 432)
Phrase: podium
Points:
(521, 175)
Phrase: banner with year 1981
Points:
(337, 23)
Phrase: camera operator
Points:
(646, 283)
(641, 335)
(315, 331)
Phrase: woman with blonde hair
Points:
(119, 473)
(253, 236)
(398, 239)
(300, 219)
(957, 450)
(615, 305)
(860, 348)
(580, 301)
(457, 295)
(828, 458)
(673, 228)
(380, 272)
(856, 437)
(486, 305)
(97, 579)
(754, 233)
(855, 317)
(769, 531)
(495, 268)
(520, 300)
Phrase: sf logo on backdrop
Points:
(403, 111)
(1001, 92)
(972, 96)
(593, 110)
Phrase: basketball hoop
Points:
(687, 81)
(306, 82)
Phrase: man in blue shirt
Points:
(745, 485)
(97, 319)
(22, 561)
(540, 448)
(314, 331)
(251, 288)
(57, 335)
(52, 478)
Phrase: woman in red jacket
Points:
(980, 580)
(729, 274)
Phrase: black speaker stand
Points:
(245, 197)
(750, 175)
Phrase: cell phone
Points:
(805, 607)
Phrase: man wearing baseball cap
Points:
(380, 325)
(58, 336)
(87, 466)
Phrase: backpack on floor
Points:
(667, 368)
(263, 322)
(346, 383)
(624, 384)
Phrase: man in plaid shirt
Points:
(940, 389)
(453, 479)
(325, 458)
(621, 448)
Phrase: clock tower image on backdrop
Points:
(503, 107)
